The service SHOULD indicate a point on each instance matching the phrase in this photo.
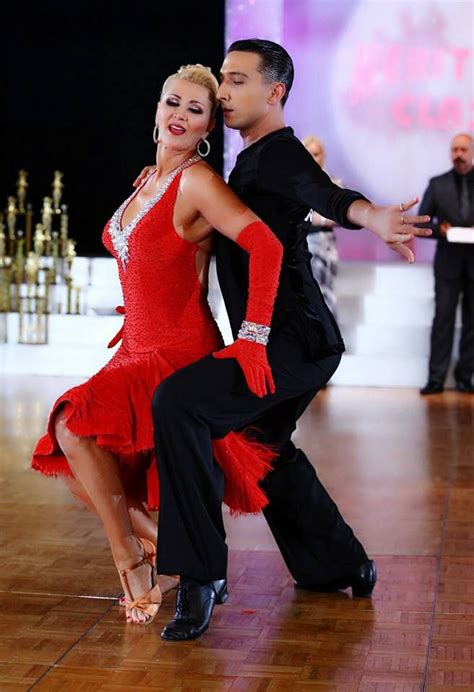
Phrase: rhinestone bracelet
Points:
(251, 331)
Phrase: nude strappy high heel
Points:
(149, 549)
(164, 581)
(149, 602)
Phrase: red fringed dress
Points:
(167, 325)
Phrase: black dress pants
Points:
(210, 398)
(447, 293)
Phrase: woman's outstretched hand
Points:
(144, 174)
(252, 358)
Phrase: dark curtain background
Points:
(80, 86)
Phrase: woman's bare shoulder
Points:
(201, 172)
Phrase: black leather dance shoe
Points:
(194, 605)
(432, 388)
(465, 386)
(361, 580)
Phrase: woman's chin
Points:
(174, 144)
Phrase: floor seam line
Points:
(71, 647)
(438, 571)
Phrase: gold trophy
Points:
(38, 240)
(20, 258)
(47, 220)
(22, 187)
(78, 300)
(12, 212)
(5, 272)
(32, 267)
(57, 187)
(70, 254)
(36, 256)
(33, 324)
(63, 233)
(28, 227)
(3, 245)
(49, 280)
(5, 282)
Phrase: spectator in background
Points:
(449, 200)
(321, 238)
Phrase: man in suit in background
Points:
(449, 200)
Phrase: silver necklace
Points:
(120, 236)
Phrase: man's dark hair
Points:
(276, 64)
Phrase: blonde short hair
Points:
(197, 74)
(312, 139)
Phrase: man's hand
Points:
(391, 223)
(145, 172)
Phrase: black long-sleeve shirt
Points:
(280, 181)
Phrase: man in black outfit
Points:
(449, 200)
(279, 180)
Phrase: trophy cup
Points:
(12, 212)
(22, 187)
(33, 323)
(47, 220)
(49, 280)
(63, 232)
(36, 256)
(78, 301)
(57, 187)
(32, 266)
(3, 245)
(4, 282)
(28, 227)
(69, 256)
(19, 258)
(33, 314)
(3, 325)
(38, 240)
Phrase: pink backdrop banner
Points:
(385, 84)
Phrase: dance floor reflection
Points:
(401, 469)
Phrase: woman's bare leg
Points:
(144, 525)
(142, 522)
(98, 472)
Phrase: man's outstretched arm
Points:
(287, 169)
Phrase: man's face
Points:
(243, 92)
(462, 150)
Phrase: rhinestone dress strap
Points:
(120, 236)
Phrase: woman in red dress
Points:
(100, 433)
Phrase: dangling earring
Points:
(156, 134)
(203, 155)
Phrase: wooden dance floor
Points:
(401, 468)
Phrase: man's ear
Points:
(277, 93)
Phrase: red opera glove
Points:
(265, 257)
(252, 358)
